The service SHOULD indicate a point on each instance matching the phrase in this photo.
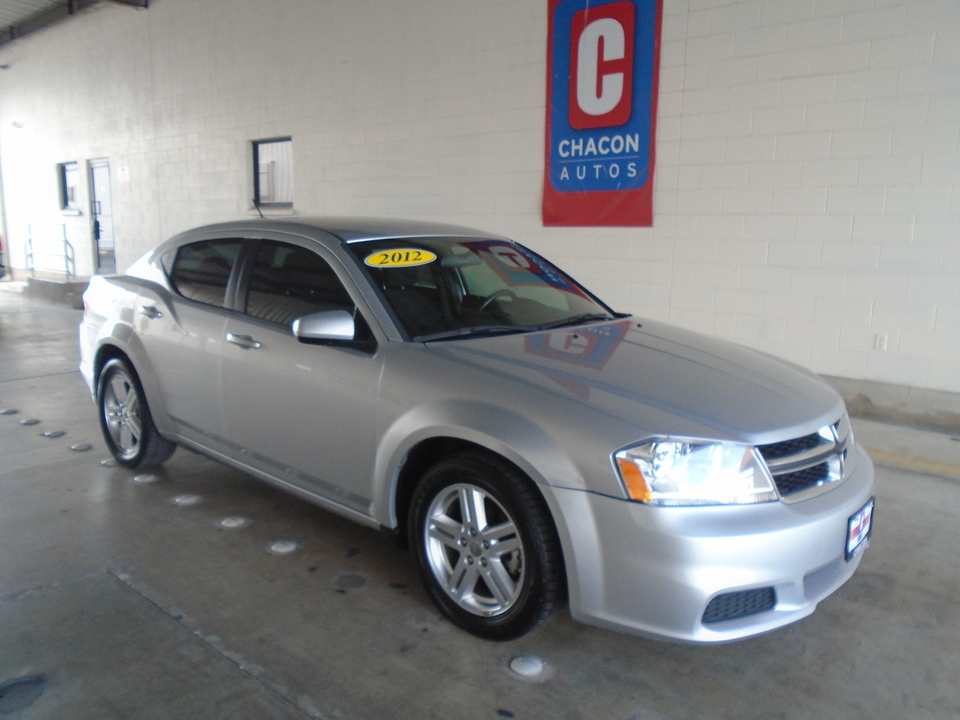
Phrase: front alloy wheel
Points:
(485, 546)
(474, 550)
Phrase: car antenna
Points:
(257, 206)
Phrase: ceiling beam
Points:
(54, 14)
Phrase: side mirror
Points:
(329, 325)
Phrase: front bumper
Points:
(654, 570)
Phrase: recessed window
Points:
(69, 178)
(273, 172)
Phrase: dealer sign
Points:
(602, 67)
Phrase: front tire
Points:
(485, 546)
(125, 418)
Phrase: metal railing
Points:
(48, 250)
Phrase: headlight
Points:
(690, 472)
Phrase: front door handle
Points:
(244, 341)
(150, 311)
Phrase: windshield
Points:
(456, 287)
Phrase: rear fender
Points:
(120, 334)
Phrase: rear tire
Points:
(485, 546)
(125, 418)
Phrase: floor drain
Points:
(282, 547)
(82, 447)
(53, 433)
(528, 666)
(8, 411)
(234, 522)
(31, 421)
(21, 693)
(186, 500)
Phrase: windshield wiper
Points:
(575, 320)
(475, 331)
(486, 330)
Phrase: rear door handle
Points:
(244, 341)
(150, 311)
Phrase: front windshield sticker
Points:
(400, 258)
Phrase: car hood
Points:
(662, 379)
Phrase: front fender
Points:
(506, 433)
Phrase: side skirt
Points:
(311, 497)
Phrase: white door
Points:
(102, 211)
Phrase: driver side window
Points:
(289, 282)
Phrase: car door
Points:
(302, 412)
(182, 333)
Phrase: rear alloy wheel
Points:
(125, 419)
(485, 547)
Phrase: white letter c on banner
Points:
(593, 97)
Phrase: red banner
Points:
(603, 64)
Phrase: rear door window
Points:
(202, 270)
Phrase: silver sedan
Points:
(461, 393)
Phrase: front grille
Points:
(789, 447)
(789, 483)
(733, 605)
(809, 464)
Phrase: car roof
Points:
(354, 229)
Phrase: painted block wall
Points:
(807, 192)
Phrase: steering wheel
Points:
(506, 292)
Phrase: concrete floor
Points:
(118, 602)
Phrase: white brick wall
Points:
(808, 156)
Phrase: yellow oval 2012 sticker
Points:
(400, 257)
